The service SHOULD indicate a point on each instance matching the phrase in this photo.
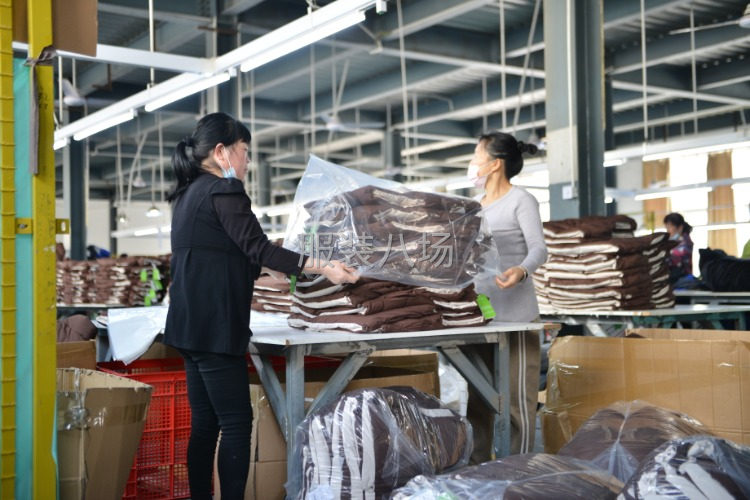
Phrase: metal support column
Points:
(77, 210)
(229, 92)
(573, 61)
(7, 260)
(43, 246)
(392, 154)
(112, 227)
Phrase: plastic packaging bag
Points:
(531, 476)
(695, 468)
(618, 438)
(371, 441)
(388, 231)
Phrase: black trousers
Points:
(219, 396)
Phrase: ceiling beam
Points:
(422, 14)
(663, 50)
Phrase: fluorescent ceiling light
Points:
(104, 125)
(187, 90)
(294, 36)
(697, 151)
(455, 186)
(60, 143)
(166, 229)
(615, 162)
(671, 192)
(274, 211)
(145, 232)
(718, 227)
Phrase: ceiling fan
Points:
(72, 98)
(332, 121)
(743, 22)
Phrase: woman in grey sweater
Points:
(513, 217)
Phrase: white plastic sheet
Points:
(388, 231)
(132, 330)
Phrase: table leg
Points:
(295, 406)
(501, 372)
(473, 376)
(340, 379)
(274, 391)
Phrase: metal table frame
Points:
(713, 298)
(675, 317)
(492, 383)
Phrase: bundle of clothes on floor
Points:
(372, 305)
(595, 263)
(128, 281)
(629, 450)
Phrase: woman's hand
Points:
(336, 271)
(511, 277)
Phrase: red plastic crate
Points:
(159, 471)
(160, 467)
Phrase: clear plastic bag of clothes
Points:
(372, 441)
(389, 232)
(695, 468)
(531, 476)
(619, 437)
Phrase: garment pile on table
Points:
(411, 237)
(372, 305)
(372, 441)
(122, 281)
(272, 295)
(596, 263)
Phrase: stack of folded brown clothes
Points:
(111, 281)
(381, 306)
(595, 263)
(271, 295)
(416, 237)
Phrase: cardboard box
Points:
(100, 419)
(702, 373)
(160, 351)
(77, 354)
(267, 474)
(75, 25)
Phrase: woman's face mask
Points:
(473, 175)
(230, 172)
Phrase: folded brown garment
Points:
(360, 323)
(589, 227)
(647, 245)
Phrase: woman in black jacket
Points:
(218, 250)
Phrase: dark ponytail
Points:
(188, 155)
(678, 220)
(506, 147)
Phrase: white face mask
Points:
(473, 175)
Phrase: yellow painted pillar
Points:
(7, 260)
(43, 220)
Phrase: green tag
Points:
(149, 298)
(144, 275)
(157, 285)
(293, 283)
(155, 275)
(485, 306)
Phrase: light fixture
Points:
(122, 218)
(60, 143)
(145, 232)
(455, 186)
(187, 90)
(153, 212)
(294, 36)
(671, 192)
(275, 211)
(696, 151)
(104, 125)
(719, 227)
(139, 182)
(614, 162)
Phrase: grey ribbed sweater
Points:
(517, 229)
